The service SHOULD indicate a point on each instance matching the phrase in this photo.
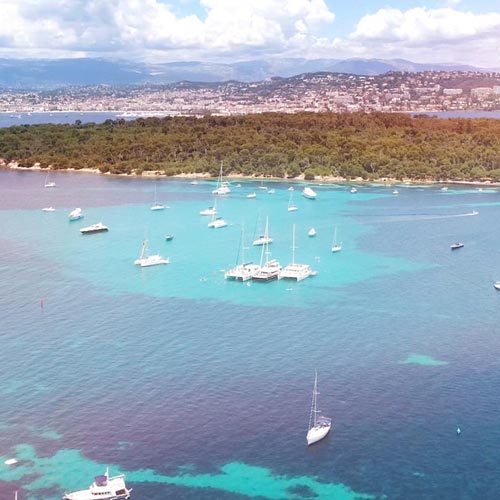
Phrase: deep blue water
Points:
(198, 388)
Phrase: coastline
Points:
(387, 181)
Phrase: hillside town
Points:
(429, 91)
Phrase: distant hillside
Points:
(49, 74)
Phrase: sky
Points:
(437, 31)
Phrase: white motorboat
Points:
(104, 488)
(444, 189)
(497, 285)
(48, 209)
(311, 233)
(209, 211)
(270, 269)
(222, 186)
(75, 214)
(309, 193)
(296, 271)
(99, 227)
(272, 191)
(319, 425)
(336, 246)
(354, 190)
(395, 191)
(291, 188)
(245, 270)
(251, 196)
(11, 461)
(456, 245)
(150, 260)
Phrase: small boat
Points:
(336, 246)
(444, 189)
(309, 193)
(354, 190)
(311, 233)
(272, 191)
(291, 188)
(217, 223)
(222, 186)
(11, 461)
(150, 260)
(291, 205)
(48, 209)
(238, 185)
(48, 183)
(169, 237)
(194, 183)
(103, 487)
(395, 191)
(75, 214)
(497, 285)
(263, 239)
(319, 426)
(156, 206)
(209, 211)
(99, 227)
(251, 196)
(457, 245)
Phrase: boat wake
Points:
(416, 217)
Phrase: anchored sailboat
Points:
(319, 426)
(336, 246)
(245, 270)
(295, 271)
(157, 206)
(150, 260)
(271, 269)
(222, 186)
(291, 205)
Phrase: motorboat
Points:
(48, 209)
(99, 227)
(104, 488)
(395, 191)
(456, 245)
(354, 190)
(272, 191)
(150, 260)
(319, 425)
(11, 461)
(209, 211)
(311, 233)
(251, 196)
(169, 237)
(497, 285)
(75, 214)
(309, 193)
(262, 240)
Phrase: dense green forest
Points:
(279, 145)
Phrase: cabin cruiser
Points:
(309, 193)
(94, 228)
(103, 488)
(75, 214)
(457, 245)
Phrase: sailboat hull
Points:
(317, 433)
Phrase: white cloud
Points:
(125, 27)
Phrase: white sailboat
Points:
(150, 260)
(296, 271)
(157, 206)
(291, 205)
(245, 270)
(319, 426)
(271, 269)
(222, 186)
(336, 246)
(49, 183)
(216, 222)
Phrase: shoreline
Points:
(150, 174)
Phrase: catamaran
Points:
(319, 426)
(296, 271)
(104, 488)
(150, 260)
(245, 270)
(271, 269)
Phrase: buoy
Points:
(458, 431)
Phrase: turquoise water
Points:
(198, 388)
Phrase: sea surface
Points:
(199, 389)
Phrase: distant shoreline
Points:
(152, 174)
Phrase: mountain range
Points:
(50, 74)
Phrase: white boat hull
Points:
(317, 433)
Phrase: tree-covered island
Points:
(350, 145)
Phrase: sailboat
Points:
(150, 260)
(157, 206)
(245, 270)
(271, 269)
(222, 186)
(216, 222)
(49, 183)
(295, 271)
(319, 426)
(263, 239)
(336, 247)
(291, 205)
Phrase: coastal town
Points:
(429, 91)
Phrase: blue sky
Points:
(459, 31)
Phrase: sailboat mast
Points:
(315, 397)
(293, 245)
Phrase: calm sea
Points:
(199, 389)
